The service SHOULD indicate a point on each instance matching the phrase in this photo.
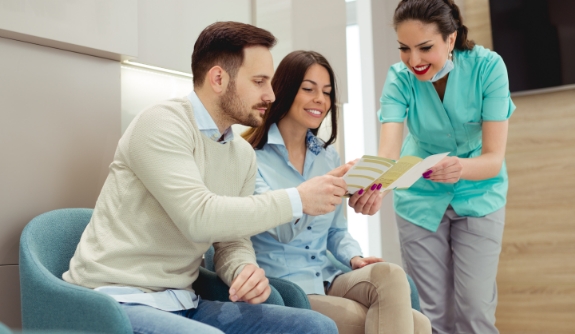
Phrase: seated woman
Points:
(374, 297)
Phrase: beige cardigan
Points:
(171, 193)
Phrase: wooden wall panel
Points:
(536, 277)
(536, 271)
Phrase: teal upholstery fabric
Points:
(283, 292)
(47, 244)
(414, 293)
(46, 247)
(4, 329)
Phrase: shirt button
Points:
(313, 257)
(317, 274)
(306, 247)
(309, 227)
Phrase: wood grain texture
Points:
(476, 19)
(536, 275)
(536, 278)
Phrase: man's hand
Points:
(250, 286)
(360, 262)
(341, 170)
(321, 194)
(367, 202)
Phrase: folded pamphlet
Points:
(400, 174)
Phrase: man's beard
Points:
(233, 107)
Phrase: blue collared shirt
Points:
(296, 251)
(206, 123)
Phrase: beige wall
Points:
(60, 124)
(536, 276)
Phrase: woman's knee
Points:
(421, 323)
(385, 274)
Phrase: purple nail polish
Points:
(373, 186)
(426, 174)
(360, 191)
(379, 186)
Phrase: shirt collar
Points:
(205, 121)
(314, 144)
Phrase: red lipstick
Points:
(421, 72)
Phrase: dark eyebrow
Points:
(313, 82)
(417, 44)
(263, 76)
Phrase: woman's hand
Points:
(448, 170)
(360, 262)
(367, 202)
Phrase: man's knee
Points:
(315, 322)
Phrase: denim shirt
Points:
(296, 251)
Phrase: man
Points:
(180, 182)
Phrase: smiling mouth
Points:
(420, 70)
(314, 112)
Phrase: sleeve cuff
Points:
(296, 205)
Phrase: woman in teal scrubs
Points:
(455, 97)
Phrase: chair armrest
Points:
(291, 293)
(4, 329)
(210, 287)
(72, 307)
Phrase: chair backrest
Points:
(52, 237)
(47, 244)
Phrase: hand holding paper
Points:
(391, 174)
(448, 170)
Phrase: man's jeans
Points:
(218, 317)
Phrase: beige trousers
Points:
(373, 299)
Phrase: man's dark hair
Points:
(222, 44)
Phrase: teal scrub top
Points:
(477, 90)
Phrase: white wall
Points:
(104, 28)
(317, 25)
(167, 29)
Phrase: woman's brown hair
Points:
(286, 84)
(444, 13)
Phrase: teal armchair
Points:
(47, 244)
